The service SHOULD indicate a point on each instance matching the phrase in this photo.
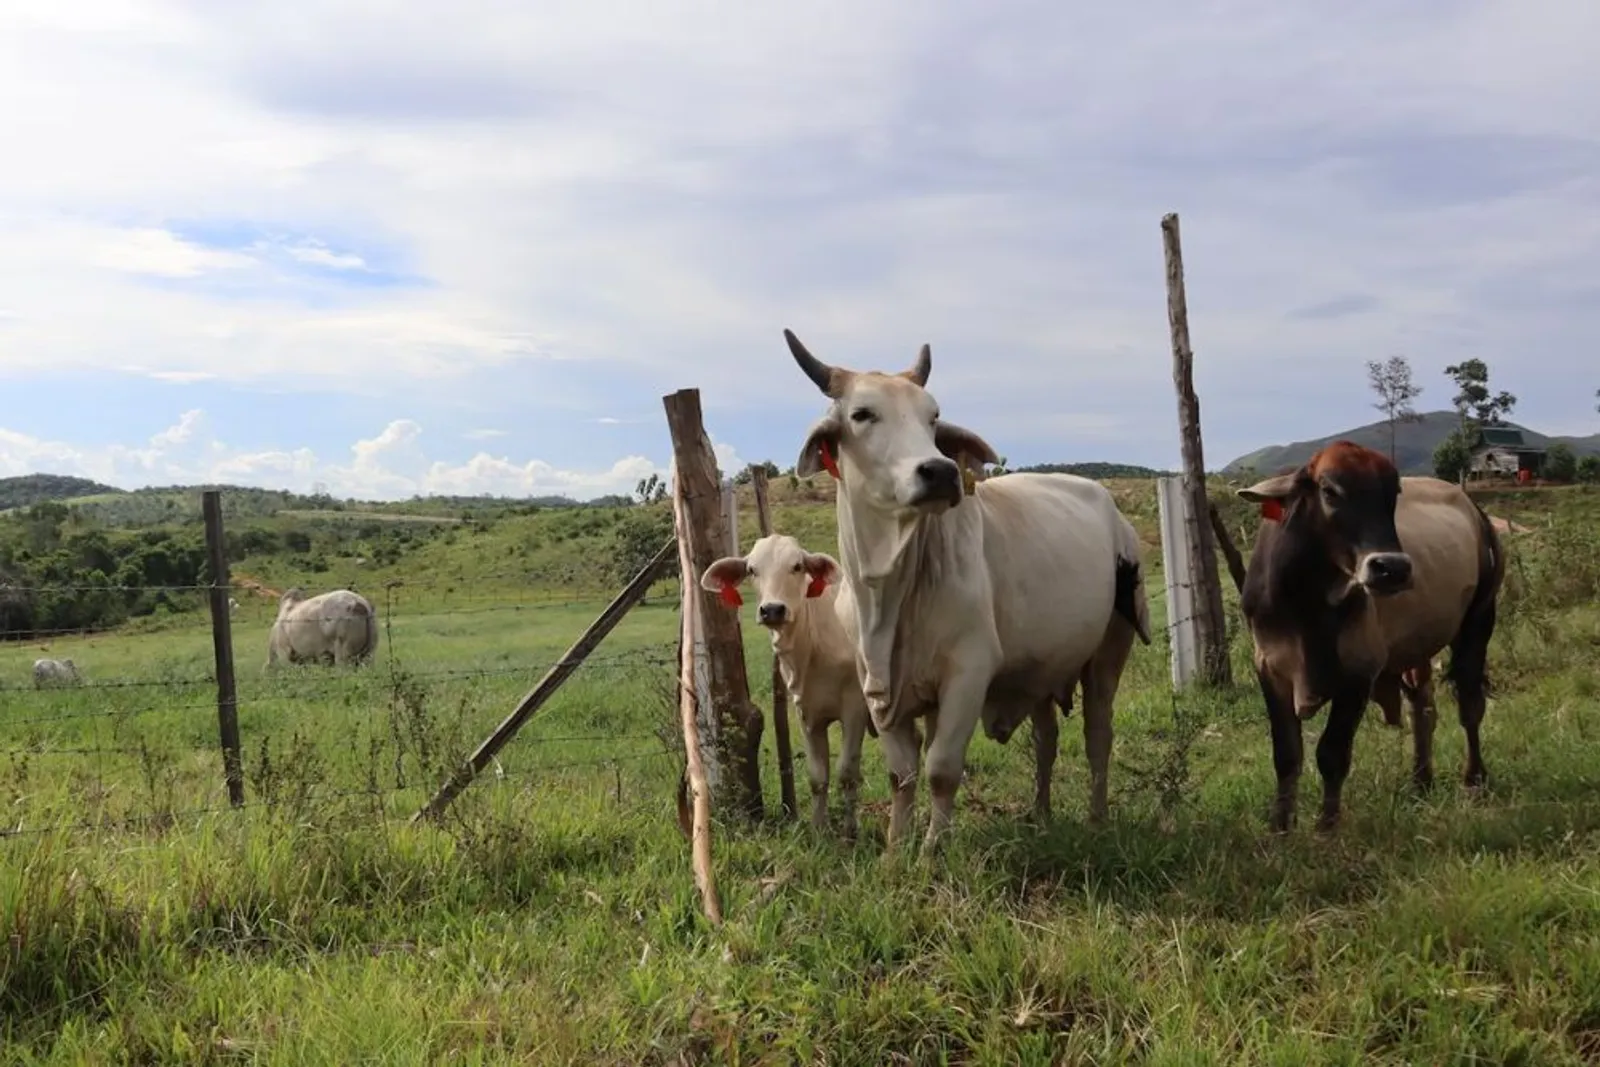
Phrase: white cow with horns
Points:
(985, 604)
(808, 614)
(338, 627)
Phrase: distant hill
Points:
(1414, 445)
(1097, 471)
(32, 489)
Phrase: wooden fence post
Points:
(1172, 503)
(1211, 632)
(222, 647)
(739, 722)
(780, 692)
(730, 516)
(689, 700)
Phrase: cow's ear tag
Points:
(818, 586)
(828, 462)
(1272, 509)
(730, 596)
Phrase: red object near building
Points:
(1524, 476)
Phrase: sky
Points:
(467, 248)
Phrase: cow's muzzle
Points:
(938, 482)
(1386, 573)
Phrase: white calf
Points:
(807, 612)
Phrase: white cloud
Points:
(483, 435)
(314, 252)
(390, 465)
(160, 253)
(519, 189)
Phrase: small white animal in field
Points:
(55, 672)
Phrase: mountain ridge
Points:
(1414, 444)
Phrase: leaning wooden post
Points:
(780, 692)
(688, 701)
(570, 660)
(1210, 623)
(739, 723)
(222, 647)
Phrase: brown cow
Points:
(1357, 578)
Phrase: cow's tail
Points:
(1130, 601)
(1469, 652)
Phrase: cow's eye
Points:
(798, 567)
(1330, 495)
(863, 415)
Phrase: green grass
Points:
(553, 918)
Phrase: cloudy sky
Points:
(468, 247)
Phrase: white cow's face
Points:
(885, 433)
(783, 572)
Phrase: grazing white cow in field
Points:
(972, 605)
(807, 613)
(233, 606)
(55, 672)
(338, 627)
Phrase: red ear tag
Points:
(1272, 510)
(818, 586)
(730, 596)
(828, 463)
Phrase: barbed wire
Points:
(127, 822)
(254, 594)
(654, 655)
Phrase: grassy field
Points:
(553, 919)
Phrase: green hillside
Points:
(1414, 445)
(37, 488)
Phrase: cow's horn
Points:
(819, 372)
(923, 367)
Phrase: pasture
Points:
(552, 918)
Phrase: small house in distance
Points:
(1501, 452)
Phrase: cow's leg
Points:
(1288, 751)
(1469, 657)
(960, 706)
(853, 729)
(1386, 694)
(1101, 679)
(902, 753)
(1046, 734)
(1418, 687)
(1333, 748)
(816, 739)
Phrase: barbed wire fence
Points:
(128, 737)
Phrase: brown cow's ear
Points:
(1273, 494)
(959, 443)
(824, 435)
(1278, 488)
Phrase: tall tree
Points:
(1391, 380)
(1473, 401)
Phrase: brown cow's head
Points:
(1343, 502)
